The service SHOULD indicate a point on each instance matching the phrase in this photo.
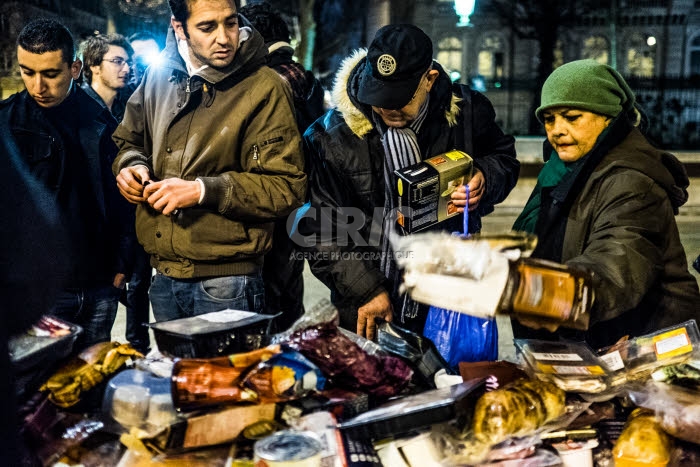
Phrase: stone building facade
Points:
(655, 44)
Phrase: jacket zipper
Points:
(256, 156)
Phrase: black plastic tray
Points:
(33, 357)
(198, 337)
(28, 352)
(418, 411)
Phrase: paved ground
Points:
(499, 221)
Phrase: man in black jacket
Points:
(395, 106)
(64, 138)
(283, 272)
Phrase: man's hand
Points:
(172, 193)
(130, 182)
(378, 307)
(119, 281)
(477, 188)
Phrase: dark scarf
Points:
(552, 174)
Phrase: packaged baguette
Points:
(517, 409)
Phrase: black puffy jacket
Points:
(346, 163)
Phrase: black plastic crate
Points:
(200, 337)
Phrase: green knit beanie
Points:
(586, 85)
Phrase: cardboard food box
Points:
(424, 189)
(210, 428)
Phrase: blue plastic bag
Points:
(460, 337)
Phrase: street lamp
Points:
(464, 9)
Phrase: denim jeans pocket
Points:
(224, 288)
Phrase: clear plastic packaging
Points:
(572, 366)
(636, 359)
(517, 409)
(677, 409)
(343, 361)
(134, 398)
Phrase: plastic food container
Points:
(411, 413)
(136, 398)
(576, 454)
(212, 334)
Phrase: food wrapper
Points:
(517, 409)
(284, 377)
(449, 272)
(87, 370)
(635, 359)
(419, 352)
(317, 336)
(677, 409)
(202, 382)
(572, 366)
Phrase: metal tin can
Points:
(288, 449)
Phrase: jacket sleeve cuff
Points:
(214, 192)
(128, 159)
(366, 287)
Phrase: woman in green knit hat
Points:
(605, 202)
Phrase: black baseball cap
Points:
(396, 60)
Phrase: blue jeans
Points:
(92, 308)
(181, 298)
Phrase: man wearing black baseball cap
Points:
(395, 106)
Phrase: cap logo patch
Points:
(386, 65)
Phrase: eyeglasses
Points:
(119, 61)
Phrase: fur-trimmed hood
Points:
(358, 116)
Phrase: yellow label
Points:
(455, 155)
(400, 187)
(672, 344)
(570, 370)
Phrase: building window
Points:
(450, 55)
(490, 58)
(641, 55)
(694, 59)
(596, 48)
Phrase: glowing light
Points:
(464, 9)
(651, 41)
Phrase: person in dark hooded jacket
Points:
(605, 203)
(282, 271)
(395, 106)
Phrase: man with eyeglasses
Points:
(107, 69)
(64, 138)
(395, 106)
(109, 73)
